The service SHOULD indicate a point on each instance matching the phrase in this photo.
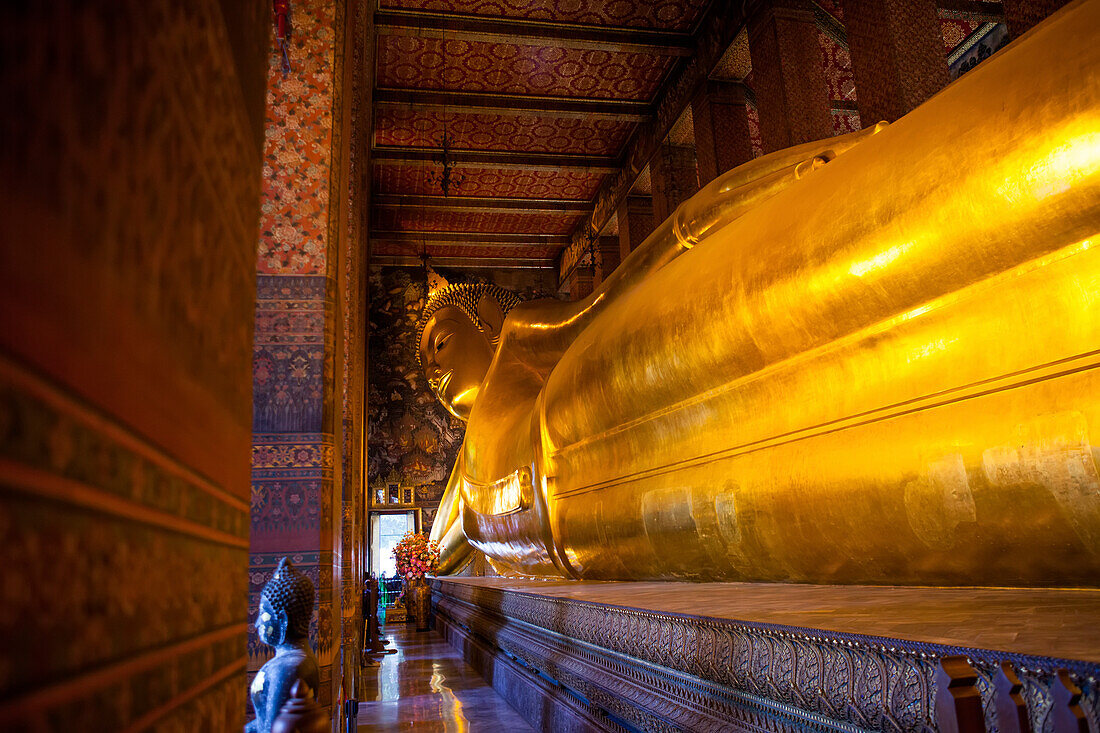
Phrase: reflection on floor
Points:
(427, 687)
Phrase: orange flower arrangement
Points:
(416, 555)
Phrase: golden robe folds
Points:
(868, 359)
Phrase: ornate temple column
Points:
(580, 282)
(609, 259)
(720, 116)
(350, 547)
(307, 405)
(672, 171)
(635, 216)
(788, 78)
(1021, 15)
(897, 55)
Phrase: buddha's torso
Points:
(273, 682)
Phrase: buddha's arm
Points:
(722, 201)
(277, 694)
(447, 527)
(886, 373)
(538, 332)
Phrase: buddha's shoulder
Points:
(292, 660)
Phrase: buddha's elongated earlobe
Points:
(491, 316)
(283, 627)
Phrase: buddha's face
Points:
(456, 356)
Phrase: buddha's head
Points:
(459, 332)
(286, 606)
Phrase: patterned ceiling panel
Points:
(668, 14)
(489, 131)
(479, 66)
(416, 220)
(489, 182)
(533, 251)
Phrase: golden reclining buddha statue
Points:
(869, 359)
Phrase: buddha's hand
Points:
(454, 550)
(447, 528)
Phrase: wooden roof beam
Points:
(480, 204)
(532, 32)
(456, 238)
(385, 155)
(720, 24)
(496, 263)
(479, 103)
(974, 7)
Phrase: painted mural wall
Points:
(412, 441)
(307, 339)
(293, 449)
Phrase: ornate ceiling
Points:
(550, 108)
(538, 98)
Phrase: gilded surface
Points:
(870, 359)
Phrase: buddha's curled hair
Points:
(465, 297)
(291, 591)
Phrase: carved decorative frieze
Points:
(663, 671)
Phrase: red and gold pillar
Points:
(720, 116)
(1022, 15)
(897, 55)
(635, 217)
(672, 171)
(792, 96)
(580, 282)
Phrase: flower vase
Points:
(411, 594)
(421, 604)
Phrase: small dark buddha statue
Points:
(286, 605)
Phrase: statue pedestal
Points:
(396, 614)
(706, 656)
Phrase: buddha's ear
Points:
(491, 315)
(283, 627)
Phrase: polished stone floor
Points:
(426, 686)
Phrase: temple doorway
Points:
(387, 529)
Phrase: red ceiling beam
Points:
(501, 263)
(974, 7)
(386, 155)
(480, 204)
(477, 102)
(532, 32)
(457, 238)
